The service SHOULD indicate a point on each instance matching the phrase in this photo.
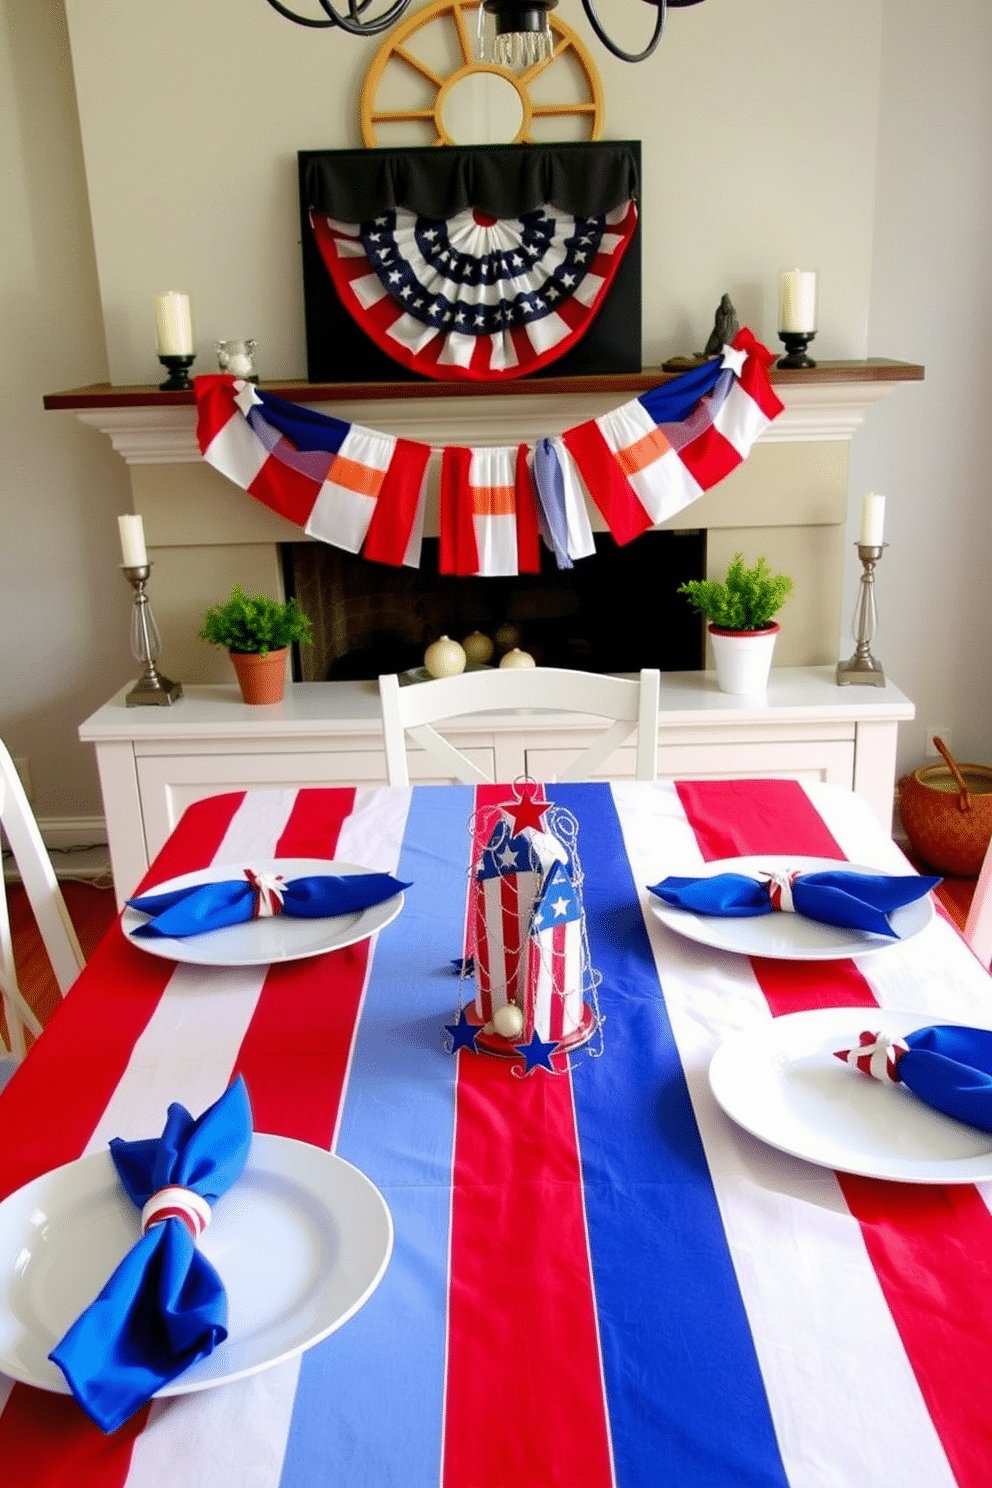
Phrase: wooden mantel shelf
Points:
(105, 395)
(149, 427)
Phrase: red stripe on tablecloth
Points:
(524, 1399)
(296, 1051)
(932, 1253)
(45, 1440)
(931, 1247)
(736, 819)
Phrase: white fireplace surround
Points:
(167, 435)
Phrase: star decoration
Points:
(734, 358)
(528, 811)
(463, 1033)
(537, 1053)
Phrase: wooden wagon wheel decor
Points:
(459, 100)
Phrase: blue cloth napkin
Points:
(948, 1067)
(165, 1306)
(210, 906)
(853, 901)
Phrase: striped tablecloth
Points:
(597, 1278)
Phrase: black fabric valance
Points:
(582, 178)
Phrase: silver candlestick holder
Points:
(862, 666)
(146, 646)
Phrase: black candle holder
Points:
(796, 343)
(178, 380)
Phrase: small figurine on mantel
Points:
(725, 328)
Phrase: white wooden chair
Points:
(45, 898)
(978, 925)
(630, 703)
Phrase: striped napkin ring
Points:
(876, 1054)
(780, 891)
(269, 888)
(176, 1203)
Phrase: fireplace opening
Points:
(615, 612)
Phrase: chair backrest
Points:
(631, 705)
(978, 925)
(41, 887)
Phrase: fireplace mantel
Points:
(789, 500)
(149, 427)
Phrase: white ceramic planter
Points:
(743, 658)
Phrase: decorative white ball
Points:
(445, 658)
(508, 1021)
(517, 658)
(478, 648)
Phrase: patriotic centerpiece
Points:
(527, 946)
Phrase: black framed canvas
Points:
(356, 186)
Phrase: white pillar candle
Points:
(797, 300)
(173, 324)
(132, 541)
(872, 521)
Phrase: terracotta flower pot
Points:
(262, 678)
(743, 658)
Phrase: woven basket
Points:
(946, 812)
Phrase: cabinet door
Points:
(170, 783)
(796, 759)
(817, 759)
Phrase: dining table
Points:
(604, 1268)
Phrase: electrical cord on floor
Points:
(102, 880)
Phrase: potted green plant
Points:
(256, 632)
(740, 608)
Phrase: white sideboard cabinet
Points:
(153, 762)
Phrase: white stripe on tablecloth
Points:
(231, 1437)
(946, 986)
(235, 1436)
(187, 1050)
(797, 1253)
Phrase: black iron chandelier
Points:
(522, 31)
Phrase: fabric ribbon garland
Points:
(364, 491)
(946, 1066)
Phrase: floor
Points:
(93, 910)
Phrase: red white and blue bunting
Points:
(475, 296)
(364, 491)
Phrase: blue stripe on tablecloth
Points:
(369, 1405)
(686, 1400)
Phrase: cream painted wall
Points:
(763, 125)
(63, 609)
(931, 300)
(192, 115)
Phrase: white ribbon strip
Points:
(878, 1054)
(780, 891)
(176, 1203)
(269, 888)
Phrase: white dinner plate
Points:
(789, 937)
(300, 1241)
(781, 1082)
(257, 942)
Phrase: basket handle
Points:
(964, 799)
